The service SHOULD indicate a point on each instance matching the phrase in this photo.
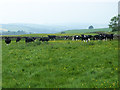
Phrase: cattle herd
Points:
(83, 37)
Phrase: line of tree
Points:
(14, 32)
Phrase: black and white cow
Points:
(102, 37)
(52, 37)
(76, 37)
(89, 37)
(84, 38)
(18, 39)
(44, 39)
(7, 40)
(66, 37)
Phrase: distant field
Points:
(89, 30)
(60, 64)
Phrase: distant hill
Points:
(37, 28)
(33, 28)
(88, 30)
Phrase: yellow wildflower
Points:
(113, 84)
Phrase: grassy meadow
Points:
(89, 30)
(60, 64)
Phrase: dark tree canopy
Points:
(91, 27)
(115, 23)
(62, 32)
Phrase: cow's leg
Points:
(73, 38)
(82, 39)
(106, 39)
(88, 39)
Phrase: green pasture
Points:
(89, 30)
(60, 64)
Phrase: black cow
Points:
(44, 39)
(76, 37)
(28, 39)
(18, 39)
(96, 37)
(34, 38)
(109, 36)
(7, 40)
(52, 37)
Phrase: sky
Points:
(57, 11)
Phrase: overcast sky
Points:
(57, 11)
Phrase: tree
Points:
(62, 32)
(91, 27)
(115, 23)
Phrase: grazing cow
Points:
(109, 36)
(7, 40)
(28, 39)
(66, 37)
(44, 39)
(84, 37)
(102, 37)
(96, 37)
(18, 39)
(52, 37)
(89, 37)
(34, 38)
(76, 37)
(58, 37)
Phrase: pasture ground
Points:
(60, 64)
(89, 30)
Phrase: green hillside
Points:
(33, 28)
(89, 30)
